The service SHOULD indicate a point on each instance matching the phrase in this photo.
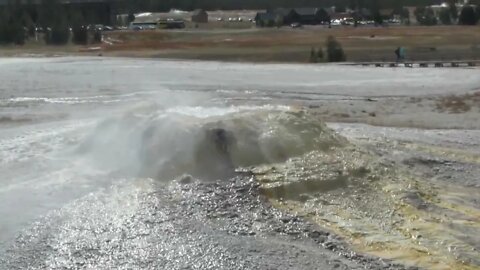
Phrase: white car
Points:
(337, 22)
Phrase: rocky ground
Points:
(444, 111)
(186, 225)
(439, 207)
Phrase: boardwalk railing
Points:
(421, 64)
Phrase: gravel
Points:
(182, 225)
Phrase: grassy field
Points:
(294, 45)
(285, 44)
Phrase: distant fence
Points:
(420, 64)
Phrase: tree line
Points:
(468, 15)
(57, 24)
(166, 5)
(21, 20)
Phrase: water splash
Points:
(166, 144)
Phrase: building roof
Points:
(281, 11)
(197, 12)
(155, 17)
(386, 12)
(306, 11)
(265, 16)
(340, 15)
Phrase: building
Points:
(199, 16)
(288, 15)
(363, 14)
(265, 19)
(312, 16)
(342, 18)
(169, 20)
(386, 14)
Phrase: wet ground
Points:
(409, 194)
(89, 149)
(189, 225)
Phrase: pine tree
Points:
(335, 51)
(453, 10)
(11, 28)
(53, 19)
(445, 16)
(79, 28)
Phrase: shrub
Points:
(313, 56)
(425, 16)
(320, 53)
(468, 16)
(335, 51)
(316, 55)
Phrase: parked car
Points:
(296, 25)
(97, 27)
(149, 27)
(336, 22)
